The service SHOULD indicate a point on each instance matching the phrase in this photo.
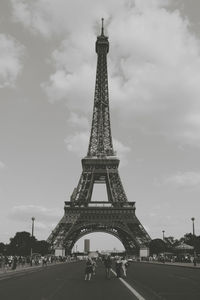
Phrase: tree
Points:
(42, 247)
(192, 240)
(157, 246)
(171, 241)
(2, 248)
(21, 244)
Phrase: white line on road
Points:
(135, 293)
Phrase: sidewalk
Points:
(5, 273)
(178, 264)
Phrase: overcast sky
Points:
(47, 80)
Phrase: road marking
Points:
(133, 291)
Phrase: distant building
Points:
(93, 254)
(60, 252)
(104, 252)
(86, 245)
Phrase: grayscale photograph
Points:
(99, 150)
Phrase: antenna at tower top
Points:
(102, 28)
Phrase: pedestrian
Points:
(194, 261)
(88, 269)
(44, 261)
(94, 267)
(6, 263)
(124, 266)
(118, 267)
(108, 265)
(14, 265)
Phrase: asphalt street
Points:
(63, 281)
(66, 281)
(162, 281)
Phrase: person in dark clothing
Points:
(44, 261)
(14, 266)
(118, 267)
(108, 265)
(94, 266)
(88, 269)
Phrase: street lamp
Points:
(163, 232)
(193, 231)
(33, 220)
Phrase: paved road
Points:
(65, 281)
(162, 281)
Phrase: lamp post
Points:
(32, 233)
(193, 232)
(163, 232)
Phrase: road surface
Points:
(66, 281)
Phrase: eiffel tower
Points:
(117, 215)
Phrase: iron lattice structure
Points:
(117, 215)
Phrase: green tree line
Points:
(169, 243)
(22, 244)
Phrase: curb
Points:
(21, 272)
(171, 264)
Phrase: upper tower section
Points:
(102, 43)
(100, 144)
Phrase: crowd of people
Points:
(13, 262)
(121, 265)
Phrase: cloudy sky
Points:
(47, 79)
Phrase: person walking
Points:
(14, 265)
(44, 261)
(118, 267)
(94, 264)
(124, 263)
(88, 269)
(108, 265)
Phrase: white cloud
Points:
(30, 16)
(154, 60)
(75, 88)
(122, 151)
(155, 72)
(42, 226)
(78, 121)
(46, 219)
(26, 212)
(11, 53)
(2, 165)
(78, 143)
(184, 179)
(50, 18)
